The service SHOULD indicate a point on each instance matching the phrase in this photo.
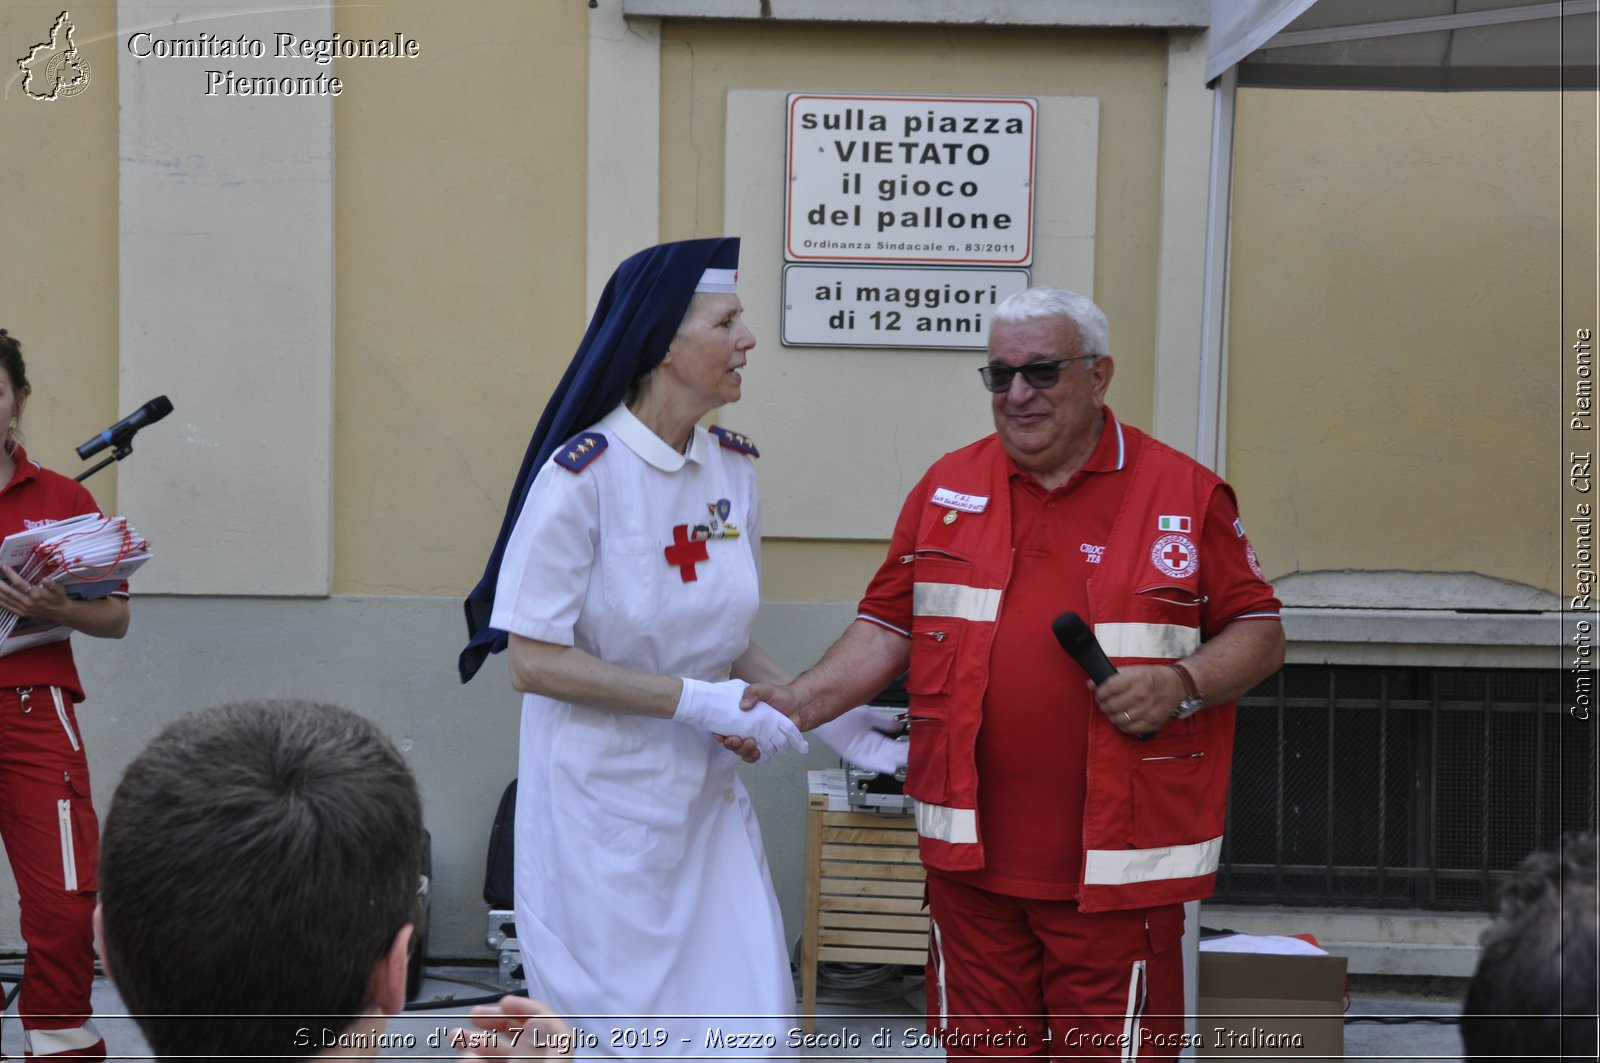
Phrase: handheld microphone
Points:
(120, 433)
(1080, 643)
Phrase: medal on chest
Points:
(953, 503)
(688, 546)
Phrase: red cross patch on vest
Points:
(1175, 556)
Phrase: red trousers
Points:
(52, 837)
(1015, 977)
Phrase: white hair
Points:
(1032, 303)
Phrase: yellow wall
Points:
(1367, 429)
(460, 209)
(460, 256)
(58, 226)
(1394, 367)
(1126, 71)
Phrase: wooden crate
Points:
(864, 886)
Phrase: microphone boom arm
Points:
(116, 455)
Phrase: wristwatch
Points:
(1193, 701)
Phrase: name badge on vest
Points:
(955, 500)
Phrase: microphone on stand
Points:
(121, 433)
(1081, 645)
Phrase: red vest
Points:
(1153, 810)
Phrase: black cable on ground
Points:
(460, 1002)
(853, 975)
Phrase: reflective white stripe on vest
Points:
(958, 826)
(1159, 641)
(955, 600)
(1123, 867)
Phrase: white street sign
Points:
(914, 179)
(892, 306)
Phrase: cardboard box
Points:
(1263, 1006)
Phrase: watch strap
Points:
(1189, 689)
(1192, 701)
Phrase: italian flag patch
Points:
(1173, 524)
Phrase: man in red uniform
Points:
(1062, 824)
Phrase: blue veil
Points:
(633, 324)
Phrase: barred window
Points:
(1400, 787)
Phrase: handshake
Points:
(853, 735)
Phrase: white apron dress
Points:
(644, 908)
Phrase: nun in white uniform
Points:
(626, 583)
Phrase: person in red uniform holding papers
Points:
(1062, 824)
(46, 819)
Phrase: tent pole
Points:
(1211, 395)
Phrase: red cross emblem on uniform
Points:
(1175, 556)
(685, 553)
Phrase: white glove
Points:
(856, 738)
(715, 706)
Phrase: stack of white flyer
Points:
(89, 555)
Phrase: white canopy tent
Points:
(1438, 45)
(1370, 44)
(1405, 44)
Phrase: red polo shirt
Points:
(36, 496)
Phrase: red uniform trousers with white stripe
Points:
(52, 838)
(1003, 972)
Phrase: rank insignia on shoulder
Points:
(576, 453)
(734, 441)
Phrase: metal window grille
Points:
(1400, 787)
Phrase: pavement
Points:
(1381, 1023)
(868, 1014)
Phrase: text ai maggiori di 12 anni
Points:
(319, 51)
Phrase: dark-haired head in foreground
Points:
(258, 881)
(1534, 994)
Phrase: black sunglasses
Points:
(1039, 375)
